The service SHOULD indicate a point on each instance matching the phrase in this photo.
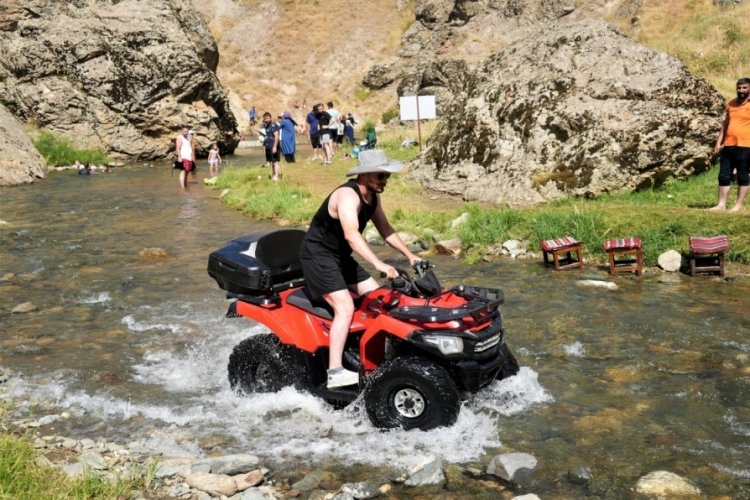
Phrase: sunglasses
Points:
(381, 176)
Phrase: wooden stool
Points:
(628, 246)
(707, 254)
(565, 245)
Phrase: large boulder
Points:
(20, 163)
(572, 108)
(124, 75)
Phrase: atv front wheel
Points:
(510, 364)
(260, 364)
(412, 393)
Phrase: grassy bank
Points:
(664, 218)
(25, 474)
(58, 150)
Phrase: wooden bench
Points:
(625, 246)
(707, 254)
(559, 246)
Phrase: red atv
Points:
(417, 347)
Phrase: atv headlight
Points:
(447, 345)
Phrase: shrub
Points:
(58, 150)
(389, 115)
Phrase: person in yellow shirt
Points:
(733, 145)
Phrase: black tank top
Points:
(326, 236)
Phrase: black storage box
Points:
(256, 263)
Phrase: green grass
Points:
(255, 195)
(664, 218)
(58, 150)
(23, 477)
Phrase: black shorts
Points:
(325, 274)
(271, 156)
(315, 141)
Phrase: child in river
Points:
(213, 160)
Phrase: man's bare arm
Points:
(390, 235)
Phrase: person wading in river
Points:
(185, 150)
(326, 254)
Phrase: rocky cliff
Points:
(19, 162)
(120, 75)
(570, 108)
(449, 37)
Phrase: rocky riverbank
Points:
(195, 474)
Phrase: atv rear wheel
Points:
(412, 393)
(261, 364)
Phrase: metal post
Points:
(419, 127)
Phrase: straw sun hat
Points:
(374, 160)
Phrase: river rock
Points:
(562, 137)
(361, 490)
(461, 219)
(449, 247)
(513, 467)
(152, 253)
(230, 464)
(579, 474)
(429, 472)
(312, 480)
(528, 496)
(25, 307)
(21, 163)
(213, 484)
(408, 238)
(665, 484)
(597, 284)
(126, 79)
(670, 261)
(245, 481)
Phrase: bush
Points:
(389, 115)
(58, 150)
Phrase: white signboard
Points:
(408, 106)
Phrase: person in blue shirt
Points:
(252, 115)
(312, 129)
(288, 140)
(271, 145)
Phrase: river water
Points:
(651, 376)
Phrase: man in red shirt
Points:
(734, 145)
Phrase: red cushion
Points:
(622, 244)
(565, 241)
(712, 244)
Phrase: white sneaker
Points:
(342, 378)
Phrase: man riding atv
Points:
(335, 232)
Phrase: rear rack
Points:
(271, 297)
(481, 303)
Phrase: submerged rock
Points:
(428, 472)
(25, 307)
(665, 484)
(597, 284)
(512, 466)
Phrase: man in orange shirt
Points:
(734, 145)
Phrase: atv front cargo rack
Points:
(481, 303)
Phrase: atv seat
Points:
(305, 300)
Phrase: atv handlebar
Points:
(405, 281)
(420, 266)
